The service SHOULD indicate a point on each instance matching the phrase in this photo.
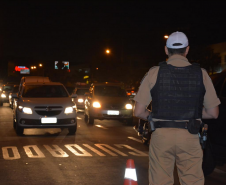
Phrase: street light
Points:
(166, 36)
(32, 67)
(40, 65)
(107, 51)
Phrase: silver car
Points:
(44, 105)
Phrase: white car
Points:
(44, 105)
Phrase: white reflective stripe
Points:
(56, 152)
(70, 147)
(29, 153)
(101, 146)
(15, 151)
(94, 150)
(138, 153)
(130, 174)
(138, 140)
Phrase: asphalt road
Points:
(96, 155)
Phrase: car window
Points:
(44, 91)
(7, 88)
(81, 91)
(113, 91)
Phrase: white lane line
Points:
(138, 140)
(100, 126)
(219, 171)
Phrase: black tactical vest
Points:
(178, 93)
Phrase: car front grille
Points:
(48, 110)
(114, 106)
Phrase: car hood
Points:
(111, 100)
(66, 101)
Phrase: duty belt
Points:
(170, 124)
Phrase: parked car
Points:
(6, 89)
(108, 101)
(44, 105)
(13, 93)
(215, 152)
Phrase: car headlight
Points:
(3, 95)
(129, 106)
(10, 96)
(69, 110)
(25, 110)
(96, 104)
(80, 100)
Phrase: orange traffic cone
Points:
(130, 173)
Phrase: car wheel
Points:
(209, 163)
(19, 130)
(72, 130)
(129, 121)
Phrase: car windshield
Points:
(15, 89)
(70, 89)
(44, 91)
(7, 88)
(81, 91)
(113, 91)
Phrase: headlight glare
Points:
(68, 110)
(80, 100)
(3, 95)
(96, 104)
(129, 106)
(27, 110)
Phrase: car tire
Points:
(90, 119)
(1, 103)
(72, 130)
(19, 130)
(209, 163)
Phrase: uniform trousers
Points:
(170, 146)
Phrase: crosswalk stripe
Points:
(137, 140)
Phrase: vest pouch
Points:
(193, 126)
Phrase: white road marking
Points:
(5, 151)
(56, 152)
(104, 146)
(138, 153)
(100, 126)
(94, 150)
(29, 153)
(219, 171)
(33, 151)
(79, 118)
(70, 147)
(138, 140)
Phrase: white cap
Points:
(177, 40)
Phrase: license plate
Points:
(48, 120)
(113, 112)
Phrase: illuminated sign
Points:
(18, 68)
(24, 71)
(62, 65)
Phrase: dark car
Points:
(215, 152)
(6, 89)
(12, 94)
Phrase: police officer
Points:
(181, 94)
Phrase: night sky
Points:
(77, 31)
